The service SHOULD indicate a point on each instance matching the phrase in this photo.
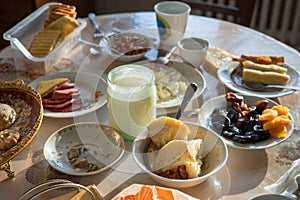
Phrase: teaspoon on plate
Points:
(97, 49)
(256, 86)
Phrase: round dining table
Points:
(246, 172)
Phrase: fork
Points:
(98, 33)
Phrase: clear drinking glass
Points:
(131, 99)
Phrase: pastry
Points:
(7, 116)
(274, 78)
(8, 138)
(264, 67)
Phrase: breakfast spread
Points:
(60, 23)
(7, 116)
(60, 95)
(171, 154)
(252, 123)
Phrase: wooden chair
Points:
(238, 11)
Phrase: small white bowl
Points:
(212, 163)
(131, 41)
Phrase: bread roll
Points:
(272, 78)
(164, 129)
(216, 57)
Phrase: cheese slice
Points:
(46, 86)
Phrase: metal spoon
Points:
(165, 59)
(189, 92)
(97, 48)
(256, 86)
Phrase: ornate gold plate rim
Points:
(7, 156)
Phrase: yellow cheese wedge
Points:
(46, 86)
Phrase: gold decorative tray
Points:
(28, 105)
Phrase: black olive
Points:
(234, 129)
(264, 135)
(255, 137)
(242, 138)
(227, 134)
(233, 115)
(258, 128)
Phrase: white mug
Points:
(193, 50)
(171, 17)
(131, 99)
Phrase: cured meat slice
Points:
(75, 105)
(66, 86)
(64, 94)
(60, 105)
(54, 101)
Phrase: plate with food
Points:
(70, 94)
(247, 122)
(127, 46)
(152, 190)
(21, 115)
(172, 81)
(179, 154)
(84, 148)
(245, 74)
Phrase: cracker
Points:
(44, 42)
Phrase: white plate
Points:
(220, 102)
(230, 73)
(87, 83)
(189, 73)
(105, 147)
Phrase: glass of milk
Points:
(131, 99)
